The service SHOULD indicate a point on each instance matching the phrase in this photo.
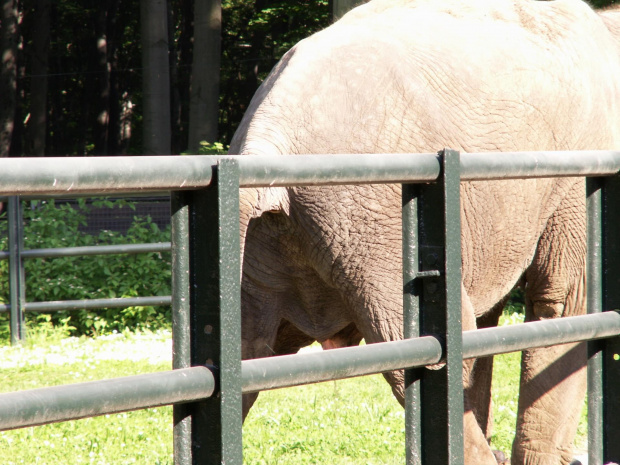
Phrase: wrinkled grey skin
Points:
(324, 263)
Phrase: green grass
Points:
(354, 421)
(134, 437)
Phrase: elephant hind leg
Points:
(479, 391)
(477, 448)
(288, 340)
(346, 337)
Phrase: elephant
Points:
(414, 76)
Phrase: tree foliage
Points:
(602, 3)
(255, 36)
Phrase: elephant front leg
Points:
(477, 450)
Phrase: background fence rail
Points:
(16, 255)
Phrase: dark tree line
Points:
(601, 3)
(77, 75)
(92, 77)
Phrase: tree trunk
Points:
(8, 72)
(204, 94)
(340, 7)
(156, 77)
(181, 36)
(113, 98)
(173, 55)
(101, 80)
(37, 124)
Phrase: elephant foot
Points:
(501, 458)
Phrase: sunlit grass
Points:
(142, 436)
(340, 422)
(355, 421)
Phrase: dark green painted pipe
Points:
(81, 400)
(92, 304)
(300, 170)
(514, 165)
(92, 250)
(306, 368)
(17, 275)
(294, 370)
(181, 319)
(595, 304)
(503, 339)
(268, 170)
(102, 175)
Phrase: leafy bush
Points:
(51, 225)
(207, 148)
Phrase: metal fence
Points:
(209, 377)
(16, 255)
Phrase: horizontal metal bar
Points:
(100, 175)
(515, 165)
(81, 400)
(94, 304)
(92, 250)
(268, 170)
(306, 368)
(504, 339)
(293, 370)
(297, 170)
(131, 197)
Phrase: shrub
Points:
(48, 224)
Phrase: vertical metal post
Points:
(437, 285)
(611, 301)
(595, 305)
(603, 294)
(411, 318)
(181, 348)
(17, 276)
(215, 321)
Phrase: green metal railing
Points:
(206, 302)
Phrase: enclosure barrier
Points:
(206, 317)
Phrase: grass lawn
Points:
(354, 421)
(142, 436)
